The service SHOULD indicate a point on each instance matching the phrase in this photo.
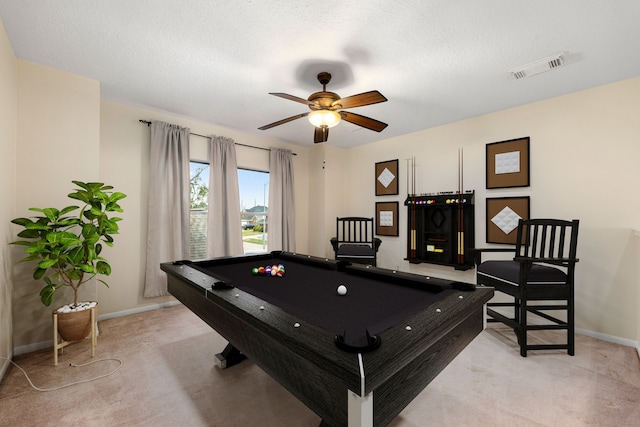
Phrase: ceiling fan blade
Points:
(292, 98)
(360, 100)
(320, 135)
(283, 121)
(363, 121)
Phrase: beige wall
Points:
(8, 117)
(584, 150)
(61, 120)
(124, 153)
(584, 165)
(328, 190)
(316, 189)
(636, 257)
(58, 141)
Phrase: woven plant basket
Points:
(76, 325)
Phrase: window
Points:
(254, 195)
(199, 193)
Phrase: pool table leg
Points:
(485, 317)
(360, 409)
(230, 356)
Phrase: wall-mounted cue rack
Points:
(441, 229)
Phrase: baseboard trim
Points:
(138, 310)
(609, 338)
(23, 349)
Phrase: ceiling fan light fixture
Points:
(323, 106)
(324, 118)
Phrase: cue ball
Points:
(342, 290)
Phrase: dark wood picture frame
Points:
(508, 163)
(386, 178)
(387, 218)
(519, 205)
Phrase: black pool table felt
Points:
(310, 293)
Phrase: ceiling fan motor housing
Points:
(323, 101)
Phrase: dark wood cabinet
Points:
(441, 229)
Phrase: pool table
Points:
(356, 359)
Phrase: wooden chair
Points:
(354, 241)
(542, 271)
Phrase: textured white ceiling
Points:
(437, 61)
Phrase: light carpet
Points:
(168, 378)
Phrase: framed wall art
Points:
(508, 163)
(503, 214)
(387, 218)
(387, 178)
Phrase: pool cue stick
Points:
(408, 170)
(413, 180)
(460, 207)
(413, 232)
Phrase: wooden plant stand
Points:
(60, 345)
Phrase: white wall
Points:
(8, 117)
(584, 165)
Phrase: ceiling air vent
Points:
(539, 66)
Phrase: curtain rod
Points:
(148, 123)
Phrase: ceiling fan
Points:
(326, 109)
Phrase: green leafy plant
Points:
(67, 247)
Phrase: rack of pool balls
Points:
(269, 270)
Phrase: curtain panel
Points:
(224, 226)
(281, 216)
(168, 216)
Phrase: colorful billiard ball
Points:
(254, 271)
(261, 271)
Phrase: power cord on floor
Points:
(72, 365)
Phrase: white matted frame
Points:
(387, 218)
(502, 218)
(386, 178)
(508, 163)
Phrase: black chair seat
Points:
(509, 271)
(353, 250)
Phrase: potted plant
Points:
(66, 244)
